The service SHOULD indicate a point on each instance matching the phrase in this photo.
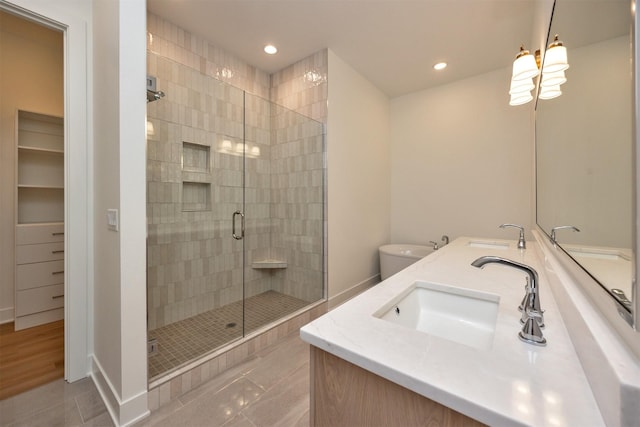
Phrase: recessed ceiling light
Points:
(440, 66)
(270, 49)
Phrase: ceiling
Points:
(393, 43)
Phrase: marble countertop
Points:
(510, 384)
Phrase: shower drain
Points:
(231, 325)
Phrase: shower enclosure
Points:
(235, 190)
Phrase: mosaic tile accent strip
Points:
(188, 339)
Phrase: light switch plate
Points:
(112, 219)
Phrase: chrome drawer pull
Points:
(58, 272)
(58, 252)
(61, 233)
(57, 296)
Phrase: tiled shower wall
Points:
(195, 176)
(302, 87)
(299, 177)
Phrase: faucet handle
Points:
(435, 245)
(531, 332)
(521, 242)
(527, 292)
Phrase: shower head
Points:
(153, 95)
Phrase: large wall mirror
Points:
(584, 145)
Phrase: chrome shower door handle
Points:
(233, 225)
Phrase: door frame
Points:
(78, 180)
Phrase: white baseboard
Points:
(6, 315)
(356, 289)
(122, 414)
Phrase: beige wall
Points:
(461, 161)
(31, 79)
(358, 178)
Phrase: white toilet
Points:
(394, 258)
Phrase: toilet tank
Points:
(396, 257)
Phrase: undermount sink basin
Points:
(462, 315)
(488, 244)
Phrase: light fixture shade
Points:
(555, 58)
(519, 86)
(524, 67)
(549, 92)
(520, 98)
(553, 79)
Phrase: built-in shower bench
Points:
(269, 263)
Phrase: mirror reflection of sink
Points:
(488, 244)
(599, 253)
(457, 314)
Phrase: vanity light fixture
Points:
(555, 58)
(526, 67)
(549, 92)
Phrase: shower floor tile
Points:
(188, 339)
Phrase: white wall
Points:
(461, 161)
(358, 178)
(120, 163)
(107, 321)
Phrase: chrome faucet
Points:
(434, 245)
(561, 227)
(532, 316)
(445, 239)
(521, 243)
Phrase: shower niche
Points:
(221, 160)
(196, 177)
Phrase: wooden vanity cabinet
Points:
(343, 394)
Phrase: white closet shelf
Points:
(40, 149)
(45, 187)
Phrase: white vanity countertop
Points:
(512, 383)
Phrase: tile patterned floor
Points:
(270, 389)
(56, 404)
(188, 339)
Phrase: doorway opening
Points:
(33, 204)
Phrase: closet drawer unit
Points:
(26, 254)
(39, 274)
(28, 234)
(31, 320)
(39, 299)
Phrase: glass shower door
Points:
(195, 184)
(229, 211)
(284, 195)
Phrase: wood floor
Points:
(30, 357)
